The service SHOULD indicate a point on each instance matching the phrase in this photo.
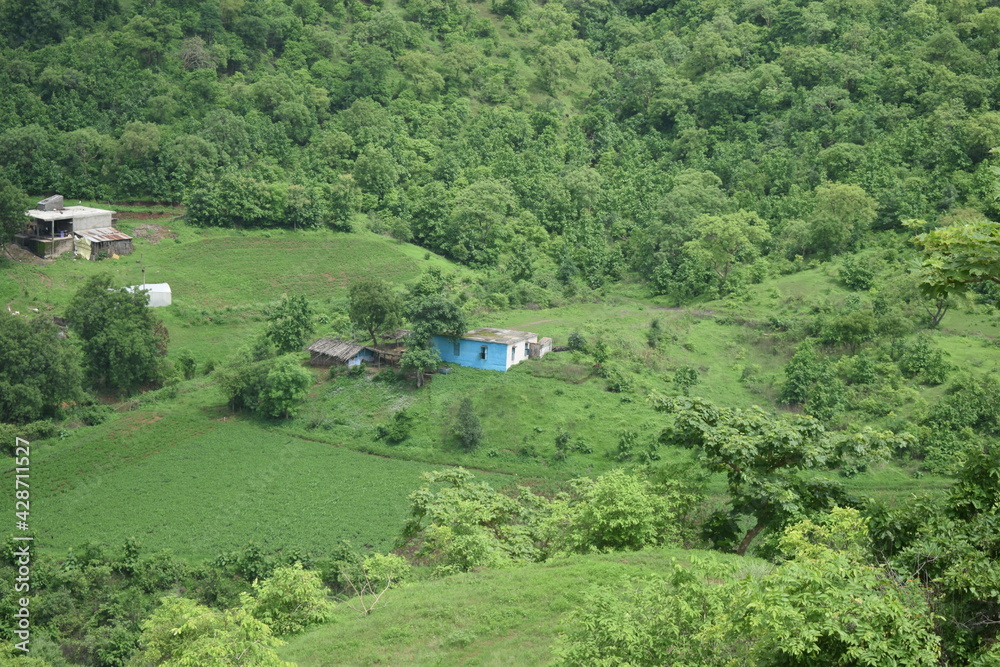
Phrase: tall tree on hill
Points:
(766, 461)
(430, 313)
(123, 341)
(13, 204)
(288, 323)
(374, 306)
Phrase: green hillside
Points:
(505, 617)
(762, 235)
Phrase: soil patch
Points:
(152, 233)
(143, 215)
(22, 256)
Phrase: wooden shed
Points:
(102, 242)
(335, 352)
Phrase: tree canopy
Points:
(123, 341)
(375, 306)
(38, 368)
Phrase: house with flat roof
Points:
(491, 349)
(54, 229)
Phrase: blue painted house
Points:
(491, 349)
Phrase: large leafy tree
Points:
(841, 215)
(288, 323)
(38, 369)
(722, 240)
(374, 306)
(124, 342)
(958, 256)
(765, 461)
(952, 545)
(827, 604)
(480, 222)
(182, 632)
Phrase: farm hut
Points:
(159, 293)
(394, 340)
(94, 244)
(335, 352)
(490, 348)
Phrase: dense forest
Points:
(591, 133)
(713, 205)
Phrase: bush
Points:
(618, 381)
(290, 600)
(36, 430)
(857, 274)
(685, 378)
(922, 359)
(654, 333)
(577, 342)
(92, 415)
(186, 364)
(467, 428)
(272, 387)
(397, 430)
(615, 512)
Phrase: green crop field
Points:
(199, 483)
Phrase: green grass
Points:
(198, 482)
(210, 269)
(176, 475)
(500, 617)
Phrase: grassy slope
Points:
(499, 617)
(221, 278)
(182, 468)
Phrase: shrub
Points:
(467, 428)
(92, 415)
(857, 274)
(577, 342)
(922, 359)
(618, 380)
(615, 512)
(397, 430)
(290, 600)
(685, 378)
(654, 333)
(186, 364)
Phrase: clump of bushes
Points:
(397, 430)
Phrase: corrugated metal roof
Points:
(101, 234)
(336, 348)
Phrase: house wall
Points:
(364, 355)
(498, 355)
(91, 221)
(46, 248)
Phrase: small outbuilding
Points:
(328, 352)
(491, 349)
(159, 293)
